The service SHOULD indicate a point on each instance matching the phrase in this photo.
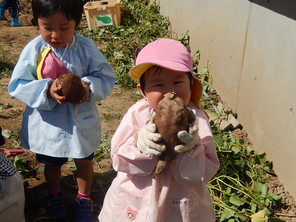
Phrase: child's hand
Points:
(54, 90)
(191, 138)
(148, 140)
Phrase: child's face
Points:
(57, 30)
(159, 81)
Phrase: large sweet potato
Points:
(71, 87)
(171, 117)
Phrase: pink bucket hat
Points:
(167, 53)
(170, 54)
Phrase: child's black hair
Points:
(72, 9)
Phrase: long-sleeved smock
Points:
(61, 130)
(179, 193)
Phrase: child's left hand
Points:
(53, 92)
(191, 138)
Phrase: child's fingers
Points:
(154, 145)
(193, 130)
(152, 117)
(151, 128)
(56, 86)
(60, 99)
(180, 148)
(147, 140)
(55, 92)
(184, 136)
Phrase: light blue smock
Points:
(61, 130)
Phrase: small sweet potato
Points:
(171, 117)
(71, 87)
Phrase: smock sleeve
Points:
(24, 85)
(99, 73)
(126, 157)
(199, 165)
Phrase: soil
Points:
(111, 109)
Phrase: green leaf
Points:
(240, 164)
(218, 140)
(254, 207)
(227, 214)
(228, 190)
(242, 217)
(7, 133)
(274, 196)
(261, 158)
(236, 149)
(260, 188)
(240, 141)
(236, 201)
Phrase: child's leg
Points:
(2, 9)
(55, 200)
(84, 178)
(52, 170)
(13, 7)
(84, 175)
(52, 176)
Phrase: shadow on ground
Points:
(35, 207)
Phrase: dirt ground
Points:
(12, 41)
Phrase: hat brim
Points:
(137, 71)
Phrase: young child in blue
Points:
(52, 128)
(13, 8)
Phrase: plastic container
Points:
(102, 13)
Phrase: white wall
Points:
(252, 51)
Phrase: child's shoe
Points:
(15, 22)
(55, 205)
(2, 16)
(84, 210)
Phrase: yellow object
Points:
(259, 217)
(41, 61)
(102, 13)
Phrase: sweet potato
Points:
(71, 87)
(171, 117)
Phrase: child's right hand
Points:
(148, 140)
(53, 92)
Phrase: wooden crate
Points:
(102, 13)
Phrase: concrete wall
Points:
(252, 50)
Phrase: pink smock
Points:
(178, 194)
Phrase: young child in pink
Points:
(180, 192)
